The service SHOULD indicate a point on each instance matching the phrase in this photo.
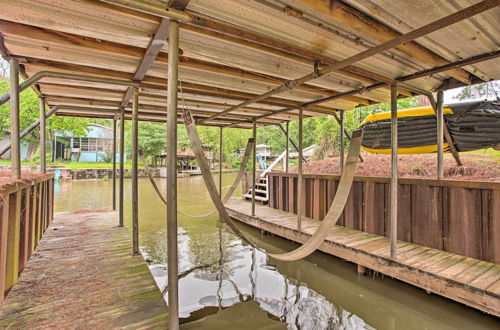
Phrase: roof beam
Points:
(234, 34)
(404, 38)
(46, 35)
(149, 57)
(345, 15)
(419, 74)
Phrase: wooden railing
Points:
(461, 217)
(26, 209)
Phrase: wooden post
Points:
(254, 166)
(394, 170)
(3, 243)
(299, 176)
(135, 188)
(114, 164)
(15, 151)
(287, 147)
(446, 133)
(43, 141)
(342, 128)
(122, 165)
(173, 267)
(220, 162)
(440, 126)
(13, 238)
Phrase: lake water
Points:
(226, 284)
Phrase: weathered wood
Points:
(172, 255)
(346, 15)
(4, 231)
(438, 213)
(135, 166)
(15, 151)
(86, 259)
(450, 275)
(13, 239)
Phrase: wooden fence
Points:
(26, 209)
(461, 217)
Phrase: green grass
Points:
(495, 154)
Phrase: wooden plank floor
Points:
(82, 275)
(470, 281)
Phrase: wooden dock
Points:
(82, 275)
(469, 281)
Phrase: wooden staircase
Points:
(261, 191)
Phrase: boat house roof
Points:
(235, 50)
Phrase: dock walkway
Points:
(82, 275)
(470, 281)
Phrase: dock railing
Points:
(26, 210)
(461, 217)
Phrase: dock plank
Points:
(467, 280)
(83, 275)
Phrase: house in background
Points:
(263, 150)
(95, 146)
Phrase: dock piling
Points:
(342, 128)
(299, 170)
(15, 152)
(43, 141)
(394, 170)
(173, 272)
(254, 166)
(114, 164)
(440, 132)
(135, 188)
(122, 161)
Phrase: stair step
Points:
(257, 198)
(261, 184)
(260, 191)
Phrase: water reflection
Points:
(226, 284)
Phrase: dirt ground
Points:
(478, 167)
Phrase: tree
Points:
(484, 91)
(30, 112)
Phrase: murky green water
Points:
(226, 284)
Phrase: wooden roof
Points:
(233, 50)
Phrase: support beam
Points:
(135, 185)
(43, 141)
(342, 128)
(122, 167)
(173, 264)
(287, 147)
(114, 164)
(446, 133)
(346, 133)
(411, 76)
(394, 170)
(157, 9)
(149, 57)
(397, 41)
(220, 162)
(254, 166)
(439, 132)
(299, 170)
(291, 141)
(338, 12)
(15, 152)
(30, 128)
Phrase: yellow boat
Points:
(472, 125)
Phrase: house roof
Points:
(233, 50)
